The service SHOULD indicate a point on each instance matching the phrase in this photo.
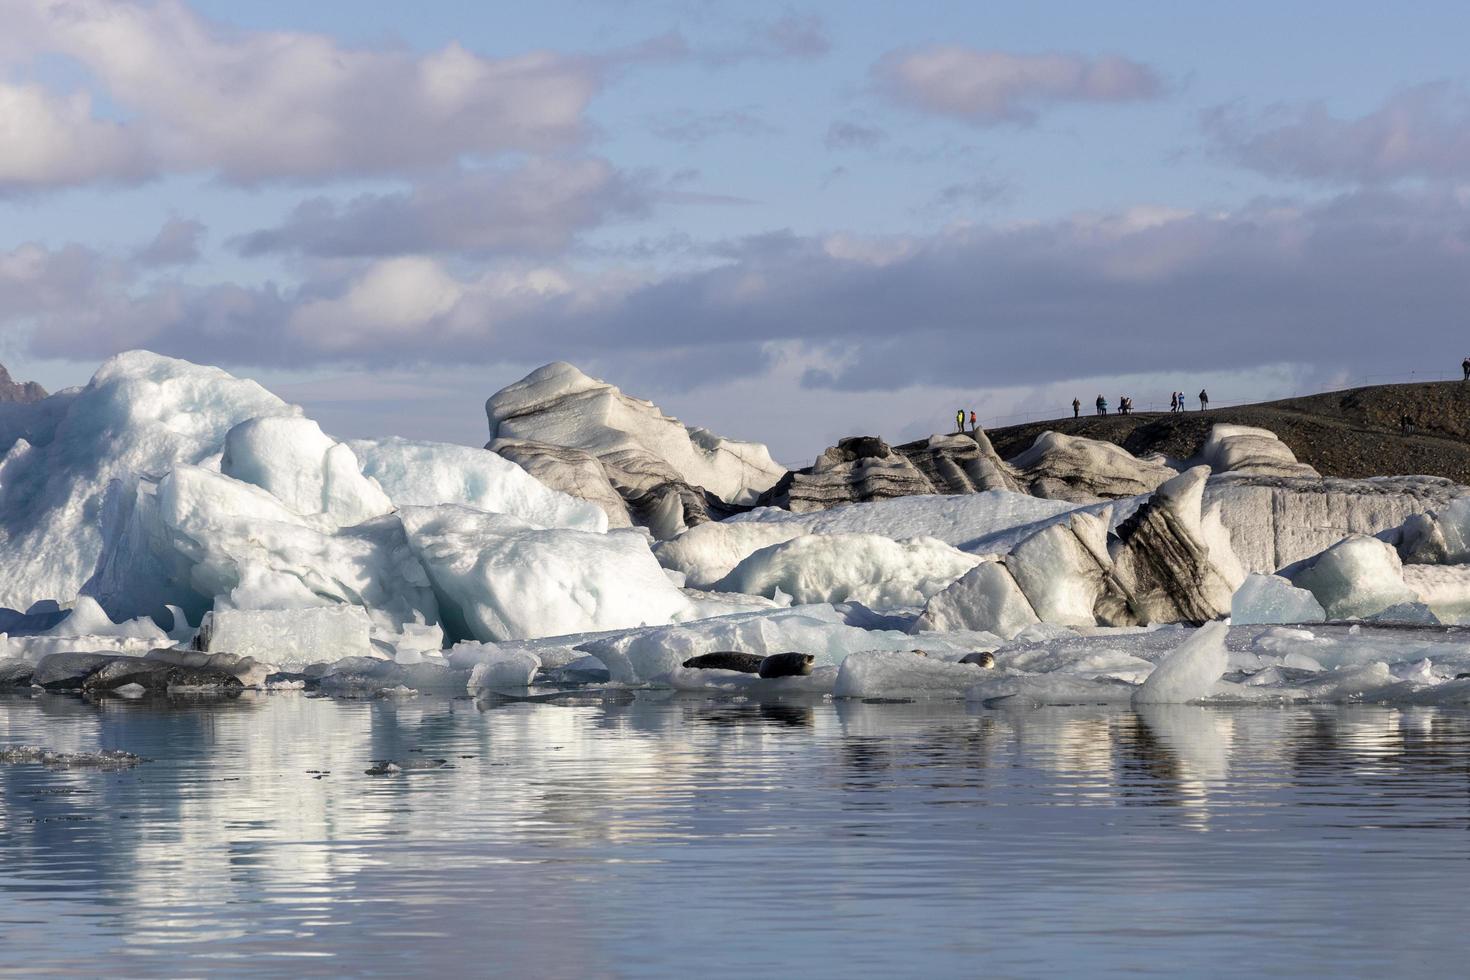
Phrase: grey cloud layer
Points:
(1377, 277)
(535, 208)
(989, 87)
(1422, 131)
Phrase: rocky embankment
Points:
(1353, 433)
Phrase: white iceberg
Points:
(499, 578)
(425, 474)
(876, 571)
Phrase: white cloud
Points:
(262, 105)
(990, 87)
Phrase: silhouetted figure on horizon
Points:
(1102, 405)
(1204, 400)
(1077, 406)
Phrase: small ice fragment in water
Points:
(35, 755)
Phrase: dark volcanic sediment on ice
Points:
(1353, 433)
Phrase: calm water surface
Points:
(662, 836)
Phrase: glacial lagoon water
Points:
(657, 835)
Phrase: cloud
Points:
(534, 208)
(970, 193)
(191, 95)
(846, 135)
(1364, 278)
(800, 37)
(793, 36)
(177, 243)
(985, 88)
(1419, 132)
(693, 128)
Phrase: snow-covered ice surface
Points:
(423, 474)
(977, 522)
(874, 570)
(499, 578)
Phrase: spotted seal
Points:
(745, 663)
(787, 665)
(982, 659)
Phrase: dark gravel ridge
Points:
(1351, 433)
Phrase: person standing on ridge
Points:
(973, 427)
(1204, 400)
(1102, 405)
(1173, 401)
(1465, 366)
(959, 421)
(1076, 408)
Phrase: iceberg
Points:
(1356, 577)
(876, 571)
(638, 445)
(499, 578)
(426, 474)
(1273, 599)
(141, 415)
(1190, 672)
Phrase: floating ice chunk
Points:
(708, 552)
(1301, 661)
(88, 619)
(503, 669)
(1359, 683)
(34, 755)
(499, 578)
(1273, 599)
(1049, 690)
(905, 675)
(1356, 577)
(425, 474)
(1189, 672)
(367, 675)
(299, 465)
(867, 568)
(292, 636)
(985, 598)
(1407, 614)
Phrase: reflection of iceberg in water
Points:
(1193, 746)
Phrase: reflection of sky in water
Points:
(666, 836)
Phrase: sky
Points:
(787, 222)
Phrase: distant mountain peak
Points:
(14, 391)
